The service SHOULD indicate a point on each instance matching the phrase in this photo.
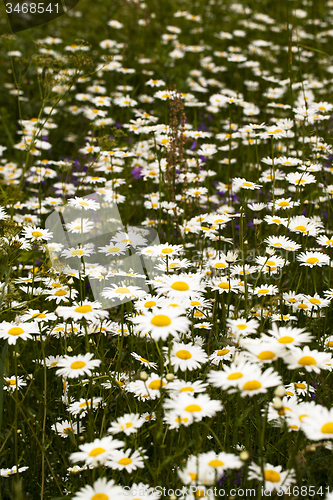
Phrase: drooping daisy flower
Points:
(97, 452)
(80, 407)
(223, 354)
(76, 366)
(83, 203)
(65, 427)
(241, 183)
(312, 259)
(186, 356)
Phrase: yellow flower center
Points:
(100, 496)
(216, 463)
(187, 389)
(314, 301)
(193, 408)
(195, 303)
(241, 327)
(285, 340)
(272, 476)
(329, 343)
(37, 234)
(247, 184)
(125, 461)
(76, 365)
(183, 354)
(156, 384)
(300, 385)
(222, 352)
(122, 290)
(193, 476)
(12, 382)
(39, 315)
(225, 286)
(300, 228)
(180, 286)
(263, 290)
(327, 428)
(307, 360)
(235, 376)
(84, 203)
(60, 293)
(113, 249)
(283, 204)
(265, 355)
(83, 309)
(150, 303)
(161, 320)
(96, 451)
(78, 252)
(15, 331)
(220, 265)
(312, 260)
(252, 385)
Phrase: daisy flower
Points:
(13, 382)
(216, 464)
(128, 424)
(225, 285)
(325, 241)
(282, 242)
(88, 310)
(80, 407)
(224, 354)
(258, 383)
(263, 351)
(276, 220)
(161, 322)
(79, 252)
(181, 285)
(275, 479)
(193, 408)
(186, 356)
(37, 233)
(241, 183)
(14, 331)
(300, 179)
(112, 249)
(141, 491)
(289, 336)
(144, 361)
(97, 452)
(122, 292)
(83, 203)
(307, 359)
(121, 460)
(62, 294)
(63, 428)
(318, 424)
(80, 226)
(76, 366)
(304, 225)
(266, 290)
(242, 326)
(312, 259)
(230, 376)
(271, 264)
(179, 386)
(100, 490)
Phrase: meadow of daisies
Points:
(166, 246)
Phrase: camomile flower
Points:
(80, 407)
(300, 178)
(230, 376)
(312, 259)
(162, 322)
(241, 183)
(83, 203)
(318, 424)
(325, 241)
(289, 336)
(263, 351)
(308, 360)
(128, 424)
(275, 479)
(283, 204)
(76, 366)
(225, 285)
(300, 388)
(38, 316)
(14, 331)
(258, 383)
(185, 356)
(97, 452)
(317, 301)
(257, 207)
(124, 460)
(11, 383)
(282, 242)
(193, 408)
(80, 226)
(114, 250)
(78, 252)
(88, 310)
(122, 292)
(65, 427)
(303, 225)
(242, 270)
(179, 386)
(37, 233)
(144, 361)
(100, 490)
(276, 220)
(174, 420)
(266, 290)
(224, 354)
(271, 264)
(62, 294)
(215, 465)
(181, 285)
(242, 326)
